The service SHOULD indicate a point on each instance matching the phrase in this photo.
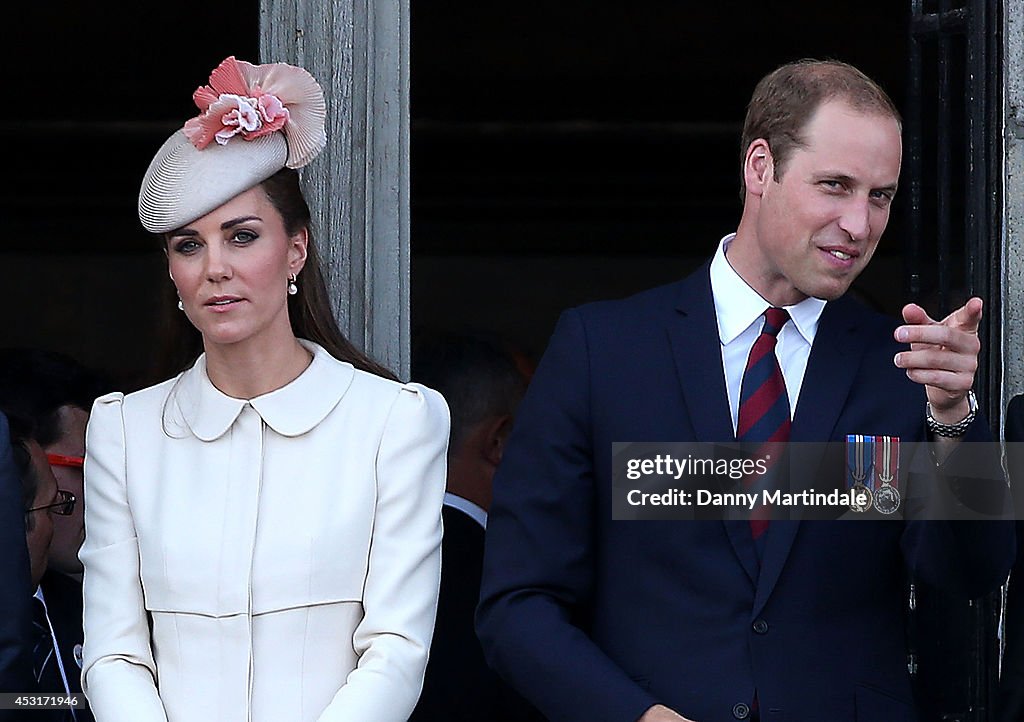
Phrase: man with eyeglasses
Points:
(39, 487)
(43, 500)
(54, 393)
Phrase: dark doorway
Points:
(582, 150)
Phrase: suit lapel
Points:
(693, 333)
(831, 369)
(696, 348)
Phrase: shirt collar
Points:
(291, 410)
(473, 511)
(737, 305)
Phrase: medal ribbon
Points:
(887, 460)
(860, 455)
(851, 459)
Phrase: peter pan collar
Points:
(291, 410)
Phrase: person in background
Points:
(482, 383)
(263, 531)
(54, 392)
(42, 501)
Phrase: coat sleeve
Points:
(540, 551)
(966, 557)
(118, 671)
(404, 569)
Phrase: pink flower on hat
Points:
(235, 114)
(273, 113)
(250, 101)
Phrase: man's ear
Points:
(758, 166)
(496, 431)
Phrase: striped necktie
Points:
(764, 403)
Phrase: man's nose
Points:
(856, 219)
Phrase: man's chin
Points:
(829, 284)
(827, 293)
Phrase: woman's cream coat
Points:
(272, 560)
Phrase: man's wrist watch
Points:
(958, 429)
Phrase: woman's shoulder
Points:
(141, 396)
(366, 382)
(152, 397)
(390, 401)
(116, 416)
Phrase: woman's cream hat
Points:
(255, 120)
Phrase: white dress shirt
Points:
(55, 652)
(473, 511)
(739, 312)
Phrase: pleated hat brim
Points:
(183, 183)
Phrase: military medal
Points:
(887, 464)
(860, 459)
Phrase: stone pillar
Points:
(1013, 200)
(358, 189)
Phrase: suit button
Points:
(741, 711)
(761, 626)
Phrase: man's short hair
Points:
(35, 384)
(476, 374)
(786, 99)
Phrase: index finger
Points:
(966, 318)
(940, 335)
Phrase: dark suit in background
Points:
(15, 587)
(63, 597)
(459, 686)
(483, 383)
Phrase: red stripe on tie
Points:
(754, 408)
(758, 405)
(759, 351)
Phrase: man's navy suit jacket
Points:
(594, 619)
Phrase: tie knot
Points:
(774, 320)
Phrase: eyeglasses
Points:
(61, 460)
(64, 507)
